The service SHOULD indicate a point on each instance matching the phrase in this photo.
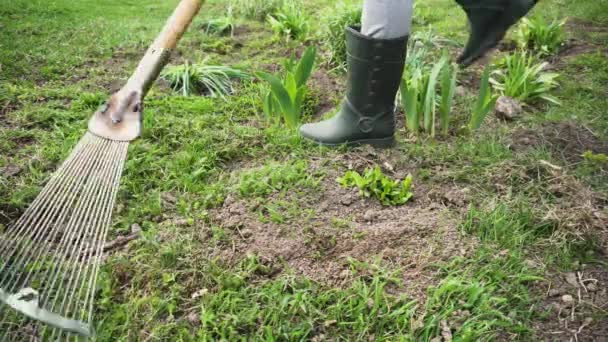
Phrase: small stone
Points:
(135, 228)
(199, 293)
(344, 274)
(369, 215)
(592, 287)
(508, 108)
(571, 279)
(567, 300)
(370, 303)
(554, 292)
(237, 209)
(346, 201)
(194, 319)
(10, 170)
(246, 233)
(460, 91)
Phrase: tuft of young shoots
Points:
(212, 80)
(409, 99)
(289, 21)
(536, 34)
(334, 37)
(448, 88)
(256, 9)
(220, 25)
(486, 101)
(521, 77)
(287, 95)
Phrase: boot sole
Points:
(380, 143)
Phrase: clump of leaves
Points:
(536, 34)
(374, 183)
(202, 78)
(600, 159)
(486, 101)
(521, 77)
(290, 22)
(334, 36)
(256, 9)
(419, 96)
(286, 96)
(221, 25)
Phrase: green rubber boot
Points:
(489, 20)
(367, 115)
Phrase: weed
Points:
(221, 25)
(486, 101)
(286, 96)
(520, 76)
(214, 80)
(334, 37)
(536, 34)
(290, 22)
(257, 9)
(373, 183)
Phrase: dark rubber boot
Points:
(367, 115)
(489, 21)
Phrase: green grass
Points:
(60, 59)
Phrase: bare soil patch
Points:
(575, 305)
(344, 235)
(565, 139)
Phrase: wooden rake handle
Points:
(158, 54)
(121, 119)
(178, 24)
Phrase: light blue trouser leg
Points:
(386, 19)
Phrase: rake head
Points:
(120, 119)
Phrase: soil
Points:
(564, 139)
(574, 305)
(343, 227)
(329, 89)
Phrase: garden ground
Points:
(245, 232)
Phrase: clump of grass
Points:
(256, 9)
(334, 37)
(542, 37)
(374, 183)
(221, 25)
(290, 22)
(286, 96)
(522, 77)
(202, 78)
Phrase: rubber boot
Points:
(489, 21)
(367, 114)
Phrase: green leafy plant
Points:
(213, 80)
(486, 101)
(220, 25)
(334, 37)
(256, 9)
(374, 183)
(536, 34)
(419, 96)
(287, 95)
(521, 77)
(290, 22)
(595, 158)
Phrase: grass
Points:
(189, 278)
